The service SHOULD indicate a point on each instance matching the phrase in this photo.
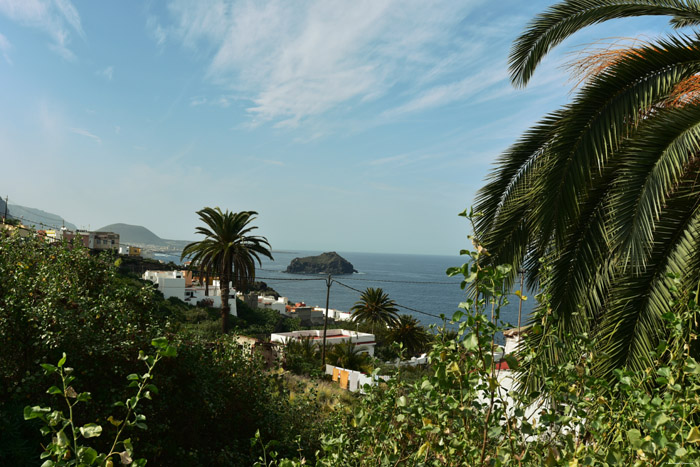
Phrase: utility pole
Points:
(329, 281)
(6, 200)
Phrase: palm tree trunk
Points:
(223, 287)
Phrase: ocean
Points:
(417, 282)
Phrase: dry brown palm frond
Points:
(685, 93)
(595, 58)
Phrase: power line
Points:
(400, 306)
(290, 279)
(399, 282)
(373, 280)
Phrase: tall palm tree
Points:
(604, 189)
(408, 331)
(375, 307)
(229, 249)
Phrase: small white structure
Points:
(337, 315)
(363, 341)
(174, 284)
(277, 304)
(353, 380)
(170, 283)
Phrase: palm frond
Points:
(562, 20)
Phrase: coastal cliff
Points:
(325, 263)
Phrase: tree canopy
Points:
(603, 191)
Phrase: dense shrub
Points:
(213, 396)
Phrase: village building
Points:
(363, 341)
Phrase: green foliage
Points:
(346, 355)
(54, 299)
(303, 357)
(413, 338)
(375, 307)
(462, 413)
(261, 322)
(604, 189)
(213, 396)
(69, 445)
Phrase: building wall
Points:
(364, 342)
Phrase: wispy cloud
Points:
(442, 94)
(156, 30)
(5, 47)
(57, 18)
(84, 132)
(107, 73)
(295, 61)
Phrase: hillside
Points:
(134, 234)
(38, 218)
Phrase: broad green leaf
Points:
(35, 412)
(62, 361)
(634, 436)
(91, 430)
(423, 449)
(49, 368)
(694, 435)
(87, 455)
(62, 439)
(471, 342)
(159, 342)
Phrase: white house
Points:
(277, 304)
(170, 283)
(175, 284)
(336, 315)
(363, 341)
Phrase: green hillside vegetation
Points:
(212, 399)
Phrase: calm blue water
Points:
(421, 283)
(415, 281)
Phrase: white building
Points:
(364, 342)
(178, 284)
(277, 304)
(170, 283)
(336, 315)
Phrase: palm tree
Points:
(229, 249)
(411, 334)
(346, 355)
(375, 307)
(603, 191)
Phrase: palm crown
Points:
(604, 189)
(229, 249)
(375, 307)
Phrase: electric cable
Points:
(400, 306)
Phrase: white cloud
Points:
(442, 94)
(294, 61)
(156, 30)
(84, 132)
(57, 18)
(5, 47)
(107, 73)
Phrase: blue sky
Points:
(349, 126)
